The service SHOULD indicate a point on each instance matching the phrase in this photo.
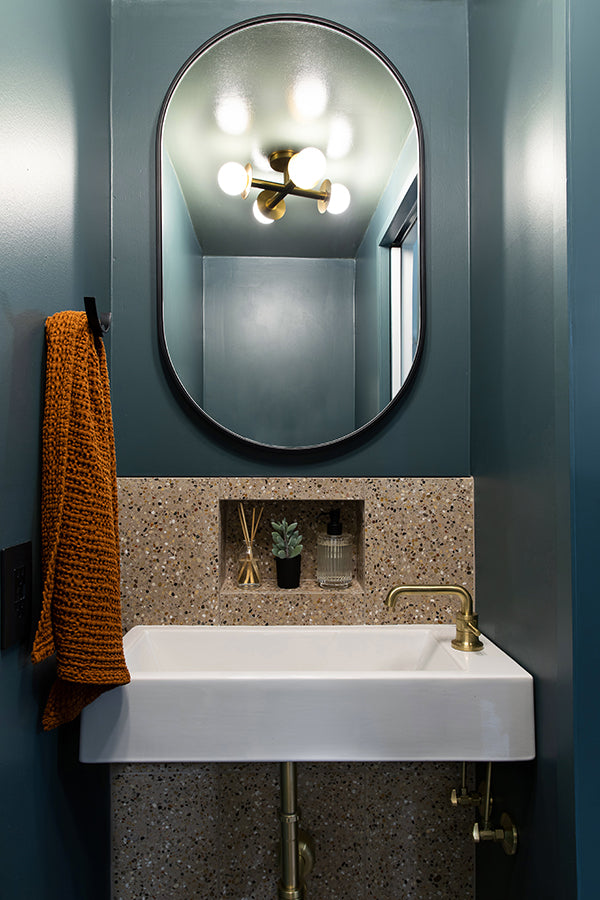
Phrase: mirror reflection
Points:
(290, 234)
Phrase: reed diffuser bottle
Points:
(248, 575)
(334, 554)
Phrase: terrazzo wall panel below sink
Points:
(207, 830)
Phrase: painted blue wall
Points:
(54, 230)
(584, 291)
(155, 435)
(275, 329)
(55, 233)
(520, 412)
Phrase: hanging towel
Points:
(80, 619)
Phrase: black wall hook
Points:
(99, 324)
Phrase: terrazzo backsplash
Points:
(383, 831)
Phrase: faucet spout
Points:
(466, 599)
(467, 632)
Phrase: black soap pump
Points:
(334, 554)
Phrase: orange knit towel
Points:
(81, 604)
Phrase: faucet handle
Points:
(467, 632)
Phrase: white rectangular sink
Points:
(358, 692)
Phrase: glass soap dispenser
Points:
(334, 554)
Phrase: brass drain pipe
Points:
(296, 855)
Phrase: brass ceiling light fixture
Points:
(301, 172)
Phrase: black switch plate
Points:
(16, 595)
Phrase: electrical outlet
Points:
(16, 565)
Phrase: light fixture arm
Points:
(233, 178)
(282, 190)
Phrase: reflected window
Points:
(402, 239)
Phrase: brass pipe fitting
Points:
(467, 632)
(466, 797)
(296, 852)
(506, 835)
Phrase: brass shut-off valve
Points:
(506, 834)
(466, 797)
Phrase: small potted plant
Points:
(287, 547)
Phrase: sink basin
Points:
(353, 692)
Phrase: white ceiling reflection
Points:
(278, 85)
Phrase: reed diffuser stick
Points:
(255, 526)
(242, 516)
(248, 574)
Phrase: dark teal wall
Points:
(54, 230)
(584, 291)
(520, 412)
(155, 435)
(55, 233)
(275, 329)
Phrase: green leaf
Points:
(281, 554)
(292, 527)
(278, 527)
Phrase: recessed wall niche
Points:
(312, 517)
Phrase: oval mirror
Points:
(290, 232)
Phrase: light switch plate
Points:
(15, 622)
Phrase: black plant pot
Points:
(288, 572)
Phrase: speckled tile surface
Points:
(249, 805)
(418, 847)
(180, 542)
(169, 551)
(383, 831)
(165, 836)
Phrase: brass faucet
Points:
(467, 632)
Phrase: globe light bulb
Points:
(307, 167)
(259, 216)
(339, 200)
(232, 178)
